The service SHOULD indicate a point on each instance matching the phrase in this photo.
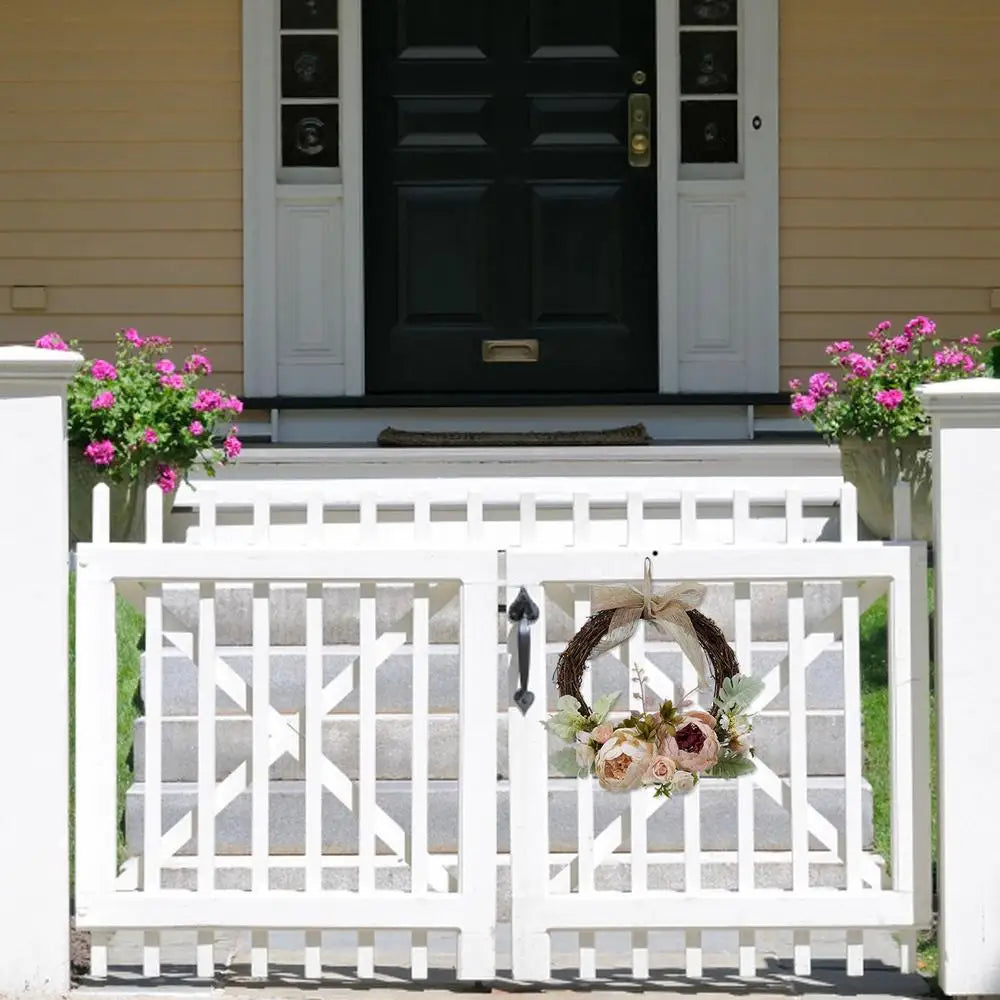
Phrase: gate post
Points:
(965, 418)
(34, 688)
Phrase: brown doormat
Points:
(393, 438)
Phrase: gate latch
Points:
(524, 611)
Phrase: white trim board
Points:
(304, 243)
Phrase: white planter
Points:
(875, 466)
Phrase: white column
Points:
(34, 702)
(966, 425)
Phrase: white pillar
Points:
(34, 702)
(966, 425)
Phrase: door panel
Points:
(500, 203)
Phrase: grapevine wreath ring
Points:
(666, 747)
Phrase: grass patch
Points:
(877, 760)
(129, 631)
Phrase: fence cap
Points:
(975, 399)
(30, 364)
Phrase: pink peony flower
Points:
(199, 364)
(100, 452)
(104, 371)
(622, 761)
(165, 366)
(196, 427)
(150, 436)
(166, 478)
(103, 401)
(232, 446)
(51, 342)
(701, 716)
(603, 733)
(661, 769)
(694, 746)
(172, 381)
(889, 398)
(207, 401)
(801, 405)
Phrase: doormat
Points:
(391, 437)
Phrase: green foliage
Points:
(731, 765)
(143, 413)
(568, 720)
(603, 707)
(873, 394)
(738, 693)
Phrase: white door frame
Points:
(334, 212)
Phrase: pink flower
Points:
(801, 405)
(795, 384)
(880, 330)
(899, 345)
(920, 327)
(970, 341)
(952, 357)
(199, 364)
(232, 404)
(840, 347)
(150, 436)
(51, 342)
(166, 478)
(861, 366)
(165, 366)
(822, 385)
(694, 746)
(104, 371)
(132, 336)
(207, 400)
(622, 761)
(232, 446)
(602, 733)
(701, 716)
(196, 428)
(172, 381)
(100, 452)
(889, 398)
(156, 341)
(661, 769)
(103, 401)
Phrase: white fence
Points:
(633, 864)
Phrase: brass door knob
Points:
(640, 144)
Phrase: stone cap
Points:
(975, 399)
(19, 363)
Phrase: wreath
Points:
(664, 746)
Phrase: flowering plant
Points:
(663, 747)
(871, 391)
(143, 415)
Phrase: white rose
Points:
(622, 761)
(585, 756)
(683, 781)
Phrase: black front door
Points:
(510, 236)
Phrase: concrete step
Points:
(719, 826)
(234, 742)
(394, 678)
(341, 612)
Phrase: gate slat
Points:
(420, 773)
(585, 811)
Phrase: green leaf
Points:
(604, 704)
(567, 703)
(561, 729)
(731, 766)
(564, 761)
(739, 693)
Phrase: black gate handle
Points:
(524, 611)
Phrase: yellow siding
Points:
(120, 172)
(890, 168)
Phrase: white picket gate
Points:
(631, 865)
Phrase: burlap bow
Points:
(668, 612)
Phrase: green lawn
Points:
(875, 709)
(129, 631)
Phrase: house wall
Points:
(120, 160)
(120, 186)
(890, 169)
